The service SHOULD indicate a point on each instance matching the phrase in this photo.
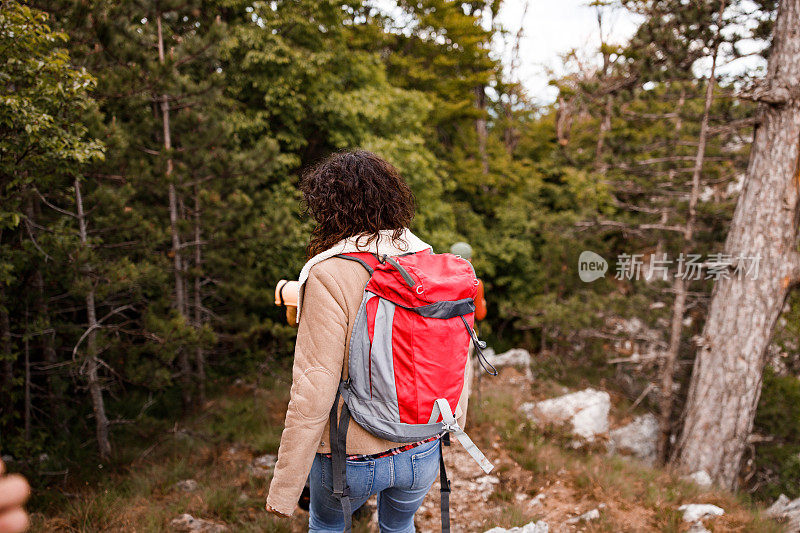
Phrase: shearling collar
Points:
(382, 245)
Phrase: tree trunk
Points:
(726, 382)
(199, 356)
(7, 355)
(481, 128)
(91, 363)
(681, 285)
(510, 133)
(605, 126)
(600, 165)
(180, 292)
(42, 320)
(26, 413)
(563, 120)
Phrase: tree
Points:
(95, 388)
(45, 146)
(726, 380)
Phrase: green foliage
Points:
(196, 152)
(778, 418)
(43, 146)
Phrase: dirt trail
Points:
(510, 495)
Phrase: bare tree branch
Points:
(733, 125)
(624, 226)
(771, 94)
(97, 326)
(33, 238)
(54, 207)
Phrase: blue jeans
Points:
(401, 482)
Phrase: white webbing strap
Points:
(451, 425)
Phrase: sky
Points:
(552, 28)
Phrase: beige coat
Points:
(332, 296)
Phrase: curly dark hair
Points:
(355, 193)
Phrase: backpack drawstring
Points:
(479, 344)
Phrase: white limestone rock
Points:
(513, 357)
(187, 485)
(787, 512)
(485, 485)
(585, 517)
(189, 524)
(263, 465)
(586, 411)
(698, 527)
(532, 527)
(694, 512)
(699, 478)
(517, 357)
(639, 439)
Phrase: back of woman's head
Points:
(355, 193)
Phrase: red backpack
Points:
(407, 358)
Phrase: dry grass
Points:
(215, 447)
(636, 497)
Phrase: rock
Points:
(698, 527)
(537, 500)
(7, 459)
(586, 411)
(485, 485)
(699, 478)
(639, 439)
(513, 357)
(188, 523)
(585, 517)
(692, 512)
(778, 506)
(187, 485)
(234, 449)
(242, 384)
(265, 461)
(263, 465)
(533, 527)
(786, 511)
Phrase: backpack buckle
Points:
(450, 428)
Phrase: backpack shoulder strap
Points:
(444, 485)
(338, 440)
(366, 259)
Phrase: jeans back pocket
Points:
(360, 477)
(425, 464)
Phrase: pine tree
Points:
(45, 146)
(726, 381)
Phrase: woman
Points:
(360, 203)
